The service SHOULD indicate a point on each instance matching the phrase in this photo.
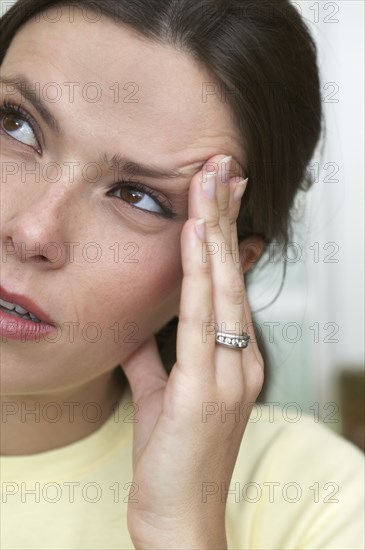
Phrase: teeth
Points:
(8, 305)
(35, 319)
(19, 311)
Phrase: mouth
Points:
(23, 307)
(18, 311)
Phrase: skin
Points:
(171, 128)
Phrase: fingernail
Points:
(225, 168)
(200, 228)
(240, 189)
(209, 184)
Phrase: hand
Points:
(175, 448)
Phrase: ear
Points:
(251, 249)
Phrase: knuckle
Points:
(212, 224)
(224, 208)
(236, 292)
(202, 316)
(233, 215)
(204, 271)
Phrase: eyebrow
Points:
(122, 163)
(30, 93)
(117, 162)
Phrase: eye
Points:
(139, 196)
(18, 124)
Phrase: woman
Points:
(130, 131)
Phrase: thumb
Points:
(144, 370)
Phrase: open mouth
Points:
(18, 311)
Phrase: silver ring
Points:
(235, 341)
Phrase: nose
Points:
(36, 229)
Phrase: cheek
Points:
(144, 284)
(127, 301)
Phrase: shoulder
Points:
(300, 484)
(279, 435)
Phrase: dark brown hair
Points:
(263, 61)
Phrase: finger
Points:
(249, 327)
(194, 350)
(220, 164)
(225, 168)
(148, 379)
(231, 309)
(237, 187)
(231, 171)
(144, 370)
(227, 283)
(225, 278)
(223, 198)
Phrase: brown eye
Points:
(131, 196)
(135, 194)
(18, 125)
(11, 123)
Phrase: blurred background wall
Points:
(315, 329)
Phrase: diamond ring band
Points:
(235, 341)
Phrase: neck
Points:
(37, 423)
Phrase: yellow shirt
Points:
(296, 485)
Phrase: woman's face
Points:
(102, 261)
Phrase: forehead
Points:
(113, 78)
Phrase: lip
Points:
(16, 328)
(28, 304)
